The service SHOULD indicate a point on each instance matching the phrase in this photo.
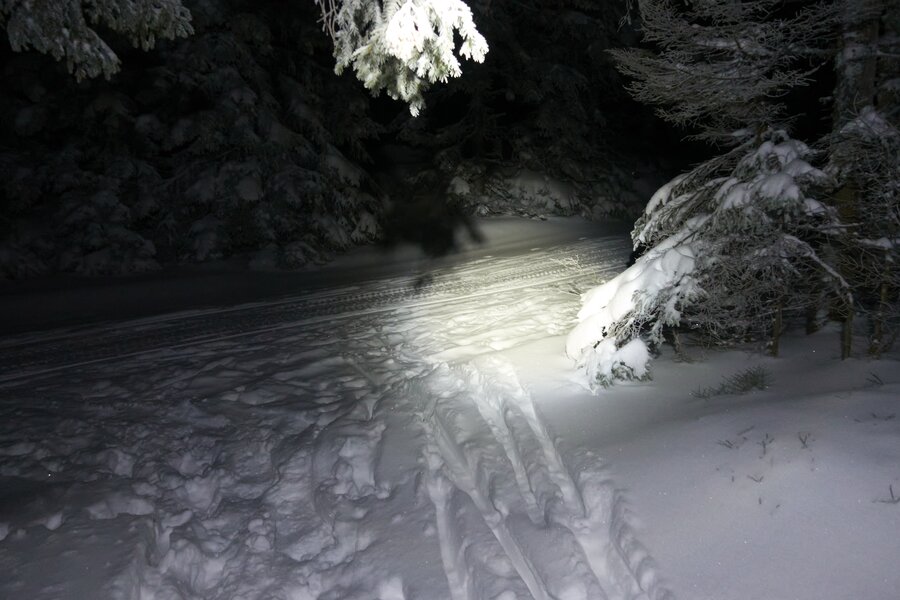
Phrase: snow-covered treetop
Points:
(402, 46)
(65, 29)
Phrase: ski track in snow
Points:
(304, 449)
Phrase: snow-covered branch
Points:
(402, 46)
(67, 29)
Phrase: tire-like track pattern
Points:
(27, 355)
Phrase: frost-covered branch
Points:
(402, 46)
(67, 29)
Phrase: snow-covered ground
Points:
(390, 428)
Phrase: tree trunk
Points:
(847, 334)
(877, 341)
(777, 326)
(856, 69)
(856, 63)
(812, 316)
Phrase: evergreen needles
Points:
(742, 382)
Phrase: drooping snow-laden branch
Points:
(732, 244)
(402, 46)
(67, 29)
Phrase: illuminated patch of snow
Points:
(388, 450)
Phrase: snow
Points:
(346, 171)
(392, 428)
(881, 243)
(869, 124)
(537, 189)
(777, 186)
(406, 31)
(663, 195)
(668, 264)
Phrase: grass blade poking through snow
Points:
(754, 378)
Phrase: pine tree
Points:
(741, 240)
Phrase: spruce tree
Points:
(741, 240)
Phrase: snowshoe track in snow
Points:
(27, 355)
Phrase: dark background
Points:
(241, 142)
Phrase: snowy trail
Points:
(354, 444)
(26, 355)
